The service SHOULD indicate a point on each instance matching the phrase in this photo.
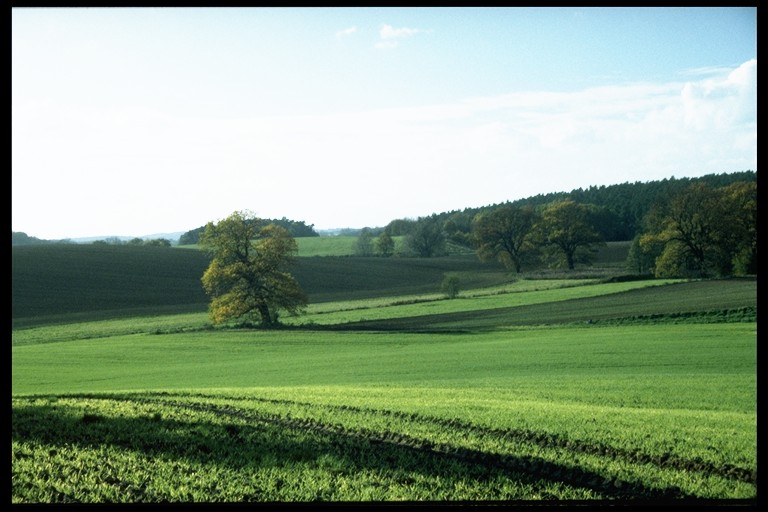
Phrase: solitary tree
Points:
(505, 234)
(566, 229)
(247, 278)
(450, 286)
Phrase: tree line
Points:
(295, 228)
(619, 209)
(562, 231)
(21, 238)
(694, 229)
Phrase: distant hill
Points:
(173, 237)
(21, 238)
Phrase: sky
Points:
(139, 121)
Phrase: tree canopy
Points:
(247, 278)
(505, 234)
(567, 229)
(426, 237)
(701, 231)
(295, 228)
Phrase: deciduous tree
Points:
(364, 244)
(385, 244)
(427, 237)
(706, 231)
(505, 234)
(566, 229)
(248, 279)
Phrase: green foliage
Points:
(450, 286)
(296, 229)
(643, 253)
(458, 229)
(506, 234)
(567, 230)
(385, 244)
(426, 237)
(247, 277)
(619, 209)
(704, 231)
(20, 238)
(364, 245)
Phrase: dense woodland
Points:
(619, 216)
(621, 208)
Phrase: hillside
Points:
(122, 281)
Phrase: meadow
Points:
(538, 388)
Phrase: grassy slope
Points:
(490, 360)
(620, 303)
(100, 282)
(640, 410)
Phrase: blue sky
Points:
(129, 122)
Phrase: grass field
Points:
(574, 389)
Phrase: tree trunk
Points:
(266, 317)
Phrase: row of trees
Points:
(153, 242)
(295, 228)
(699, 230)
(21, 238)
(561, 232)
(618, 210)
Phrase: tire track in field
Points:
(532, 467)
(544, 440)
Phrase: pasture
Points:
(522, 389)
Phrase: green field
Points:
(562, 388)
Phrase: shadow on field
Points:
(263, 442)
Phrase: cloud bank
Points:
(367, 168)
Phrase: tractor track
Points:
(532, 467)
(543, 439)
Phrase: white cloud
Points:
(390, 36)
(120, 171)
(390, 32)
(721, 101)
(346, 32)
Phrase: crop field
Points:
(54, 284)
(578, 389)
